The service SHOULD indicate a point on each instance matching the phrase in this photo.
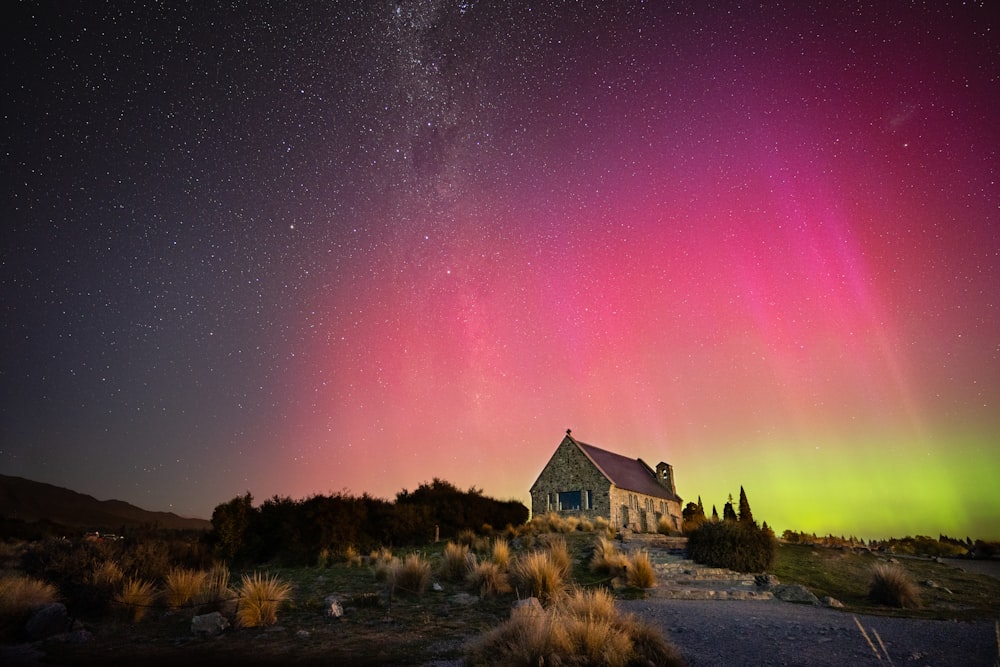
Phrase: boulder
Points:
(766, 580)
(794, 593)
(47, 621)
(828, 601)
(209, 625)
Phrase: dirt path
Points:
(714, 633)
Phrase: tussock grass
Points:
(501, 553)
(137, 596)
(665, 526)
(182, 586)
(558, 552)
(570, 524)
(107, 574)
(412, 575)
(21, 594)
(607, 559)
(891, 585)
(640, 573)
(455, 561)
(488, 578)
(583, 628)
(260, 598)
(216, 590)
(536, 574)
(466, 537)
(352, 556)
(586, 525)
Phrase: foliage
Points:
(488, 578)
(291, 532)
(260, 598)
(891, 585)
(536, 574)
(640, 572)
(21, 594)
(735, 545)
(455, 561)
(745, 515)
(411, 575)
(137, 597)
(606, 558)
(182, 585)
(583, 628)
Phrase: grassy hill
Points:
(27, 500)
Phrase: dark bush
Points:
(736, 545)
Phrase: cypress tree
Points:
(746, 516)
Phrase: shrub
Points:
(137, 596)
(182, 586)
(455, 561)
(488, 578)
(411, 575)
(743, 547)
(537, 574)
(501, 553)
(20, 594)
(260, 597)
(891, 585)
(583, 628)
(640, 570)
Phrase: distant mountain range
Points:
(29, 501)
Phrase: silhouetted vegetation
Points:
(295, 532)
(736, 542)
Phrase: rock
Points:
(532, 603)
(464, 599)
(828, 601)
(333, 607)
(48, 620)
(795, 593)
(209, 625)
(437, 587)
(766, 580)
(302, 634)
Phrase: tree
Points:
(230, 526)
(715, 514)
(746, 516)
(728, 513)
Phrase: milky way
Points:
(357, 246)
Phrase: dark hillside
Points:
(27, 500)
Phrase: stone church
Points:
(586, 481)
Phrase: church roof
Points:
(623, 472)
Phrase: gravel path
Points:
(714, 633)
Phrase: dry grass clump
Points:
(584, 628)
(137, 596)
(891, 585)
(215, 589)
(106, 575)
(501, 553)
(586, 525)
(352, 556)
(411, 575)
(559, 553)
(455, 561)
(537, 575)
(570, 524)
(665, 526)
(488, 578)
(260, 597)
(466, 537)
(383, 563)
(181, 586)
(607, 559)
(21, 594)
(640, 570)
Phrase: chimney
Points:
(665, 476)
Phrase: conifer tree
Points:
(728, 513)
(746, 516)
(715, 514)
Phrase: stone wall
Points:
(569, 469)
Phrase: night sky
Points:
(300, 248)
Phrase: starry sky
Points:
(354, 246)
